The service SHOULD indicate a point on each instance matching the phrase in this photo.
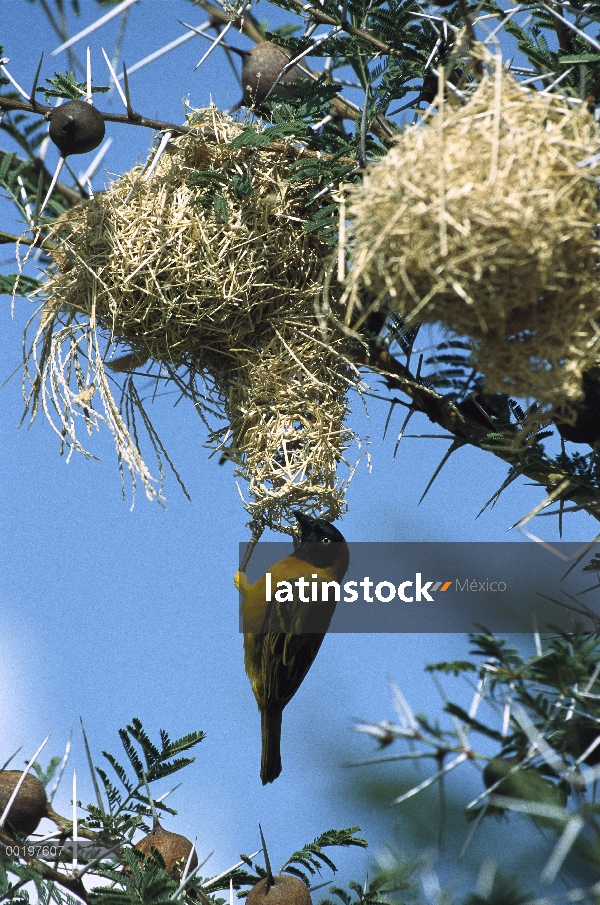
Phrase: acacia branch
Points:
(158, 125)
(440, 411)
(129, 119)
(340, 106)
(317, 15)
(37, 241)
(247, 24)
(562, 33)
(72, 883)
(36, 166)
(32, 171)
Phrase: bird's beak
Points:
(307, 526)
(306, 522)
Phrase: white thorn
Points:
(88, 70)
(97, 24)
(115, 78)
(52, 184)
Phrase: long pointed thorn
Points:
(166, 794)
(477, 699)
(97, 859)
(97, 24)
(12, 757)
(213, 880)
(62, 767)
(564, 485)
(159, 152)
(562, 848)
(91, 170)
(88, 73)
(363, 124)
(270, 877)
(32, 99)
(453, 447)
(25, 200)
(428, 782)
(162, 51)
(409, 415)
(187, 880)
(52, 184)
(201, 32)
(214, 44)
(127, 94)
(189, 861)
(389, 416)
(21, 91)
(577, 557)
(115, 78)
(418, 374)
(155, 819)
(472, 831)
(91, 767)
(75, 833)
(494, 498)
(402, 707)
(38, 197)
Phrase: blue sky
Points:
(109, 612)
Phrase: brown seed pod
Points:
(171, 846)
(283, 890)
(260, 69)
(29, 806)
(76, 128)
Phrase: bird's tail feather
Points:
(270, 763)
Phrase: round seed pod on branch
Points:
(281, 889)
(29, 806)
(76, 128)
(172, 847)
(260, 69)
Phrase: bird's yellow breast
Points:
(254, 596)
(254, 608)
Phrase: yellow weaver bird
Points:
(282, 636)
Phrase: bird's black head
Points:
(320, 543)
(317, 530)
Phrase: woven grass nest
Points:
(482, 218)
(225, 302)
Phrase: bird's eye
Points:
(325, 540)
